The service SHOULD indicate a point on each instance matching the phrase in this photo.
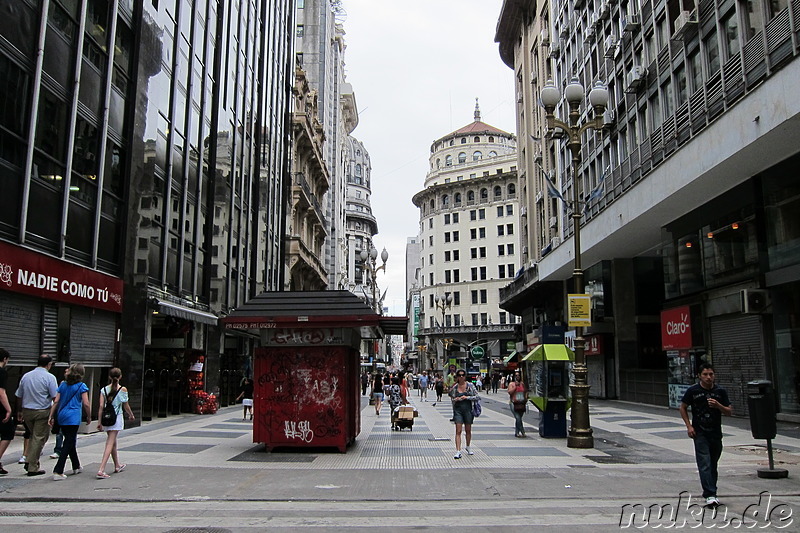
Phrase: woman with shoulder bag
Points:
(518, 402)
(68, 409)
(462, 394)
(118, 396)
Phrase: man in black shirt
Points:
(708, 402)
(7, 422)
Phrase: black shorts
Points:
(8, 429)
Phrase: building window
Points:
(456, 275)
(500, 210)
(712, 52)
(492, 153)
(471, 196)
(502, 317)
(484, 319)
(462, 157)
(473, 234)
(474, 297)
(457, 198)
(447, 236)
(447, 256)
(448, 161)
(484, 294)
(473, 214)
(483, 272)
(473, 253)
(455, 236)
(430, 240)
(474, 273)
(474, 319)
(430, 259)
(481, 214)
(512, 189)
(510, 270)
(485, 193)
(447, 219)
(482, 233)
(431, 278)
(498, 191)
(510, 249)
(501, 249)
(447, 277)
(501, 271)
(463, 140)
(456, 255)
(509, 210)
(476, 139)
(491, 139)
(477, 155)
(430, 223)
(430, 297)
(482, 252)
(500, 230)
(509, 229)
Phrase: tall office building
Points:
(690, 243)
(155, 135)
(469, 244)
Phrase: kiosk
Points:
(548, 368)
(307, 387)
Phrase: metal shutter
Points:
(92, 337)
(737, 347)
(50, 330)
(20, 328)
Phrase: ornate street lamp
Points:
(369, 260)
(443, 303)
(580, 432)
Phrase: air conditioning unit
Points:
(610, 46)
(685, 21)
(553, 222)
(605, 9)
(523, 211)
(555, 49)
(754, 301)
(608, 118)
(555, 241)
(544, 37)
(636, 76)
(631, 23)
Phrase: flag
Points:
(552, 192)
(600, 189)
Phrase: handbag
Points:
(109, 417)
(520, 402)
(476, 407)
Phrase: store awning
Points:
(510, 356)
(187, 313)
(550, 352)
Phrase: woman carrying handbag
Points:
(117, 395)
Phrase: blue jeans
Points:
(519, 428)
(59, 443)
(707, 451)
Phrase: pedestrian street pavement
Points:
(199, 471)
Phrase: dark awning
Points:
(187, 313)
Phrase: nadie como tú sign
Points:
(27, 272)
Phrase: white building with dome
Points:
(469, 246)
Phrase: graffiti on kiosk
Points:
(305, 337)
(298, 430)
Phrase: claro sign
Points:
(34, 274)
(676, 329)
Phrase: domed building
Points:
(469, 246)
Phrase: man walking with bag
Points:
(35, 395)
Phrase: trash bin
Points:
(553, 419)
(761, 404)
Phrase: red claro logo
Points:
(678, 327)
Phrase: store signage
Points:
(31, 273)
(676, 328)
(580, 310)
(593, 345)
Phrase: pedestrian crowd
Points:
(44, 407)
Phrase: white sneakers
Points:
(712, 501)
(59, 477)
(22, 460)
(469, 452)
(53, 456)
(466, 449)
(457, 455)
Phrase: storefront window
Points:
(782, 213)
(786, 302)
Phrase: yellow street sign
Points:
(580, 310)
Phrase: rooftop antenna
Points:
(477, 111)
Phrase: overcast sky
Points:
(416, 68)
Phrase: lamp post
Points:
(369, 260)
(443, 303)
(580, 432)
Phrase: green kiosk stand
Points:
(548, 366)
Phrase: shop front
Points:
(49, 306)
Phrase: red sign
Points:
(593, 345)
(676, 328)
(35, 274)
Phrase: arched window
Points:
(457, 198)
(451, 142)
(462, 157)
(491, 139)
(498, 192)
(448, 161)
(512, 190)
(477, 156)
(433, 204)
(484, 195)
(477, 139)
(358, 170)
(463, 140)
(445, 200)
(438, 162)
(492, 154)
(470, 196)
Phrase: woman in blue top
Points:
(71, 403)
(119, 399)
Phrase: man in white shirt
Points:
(35, 395)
